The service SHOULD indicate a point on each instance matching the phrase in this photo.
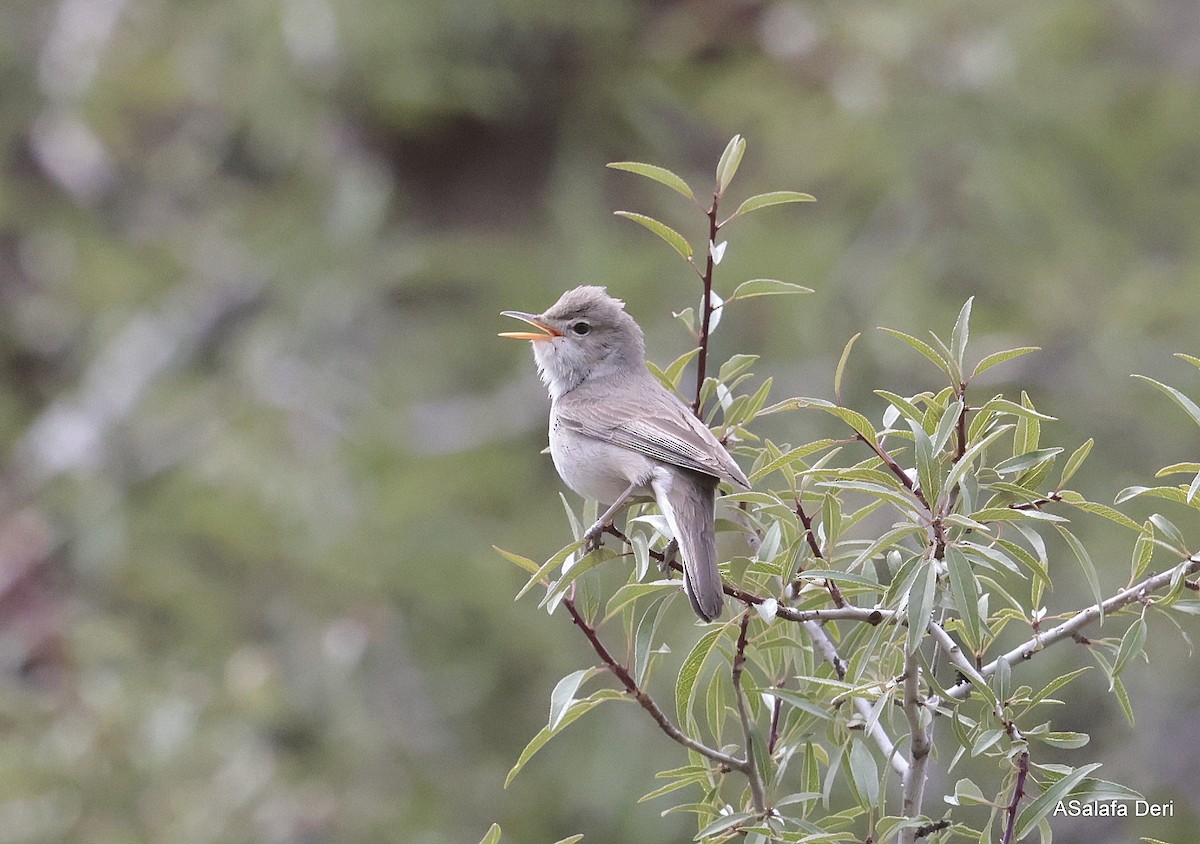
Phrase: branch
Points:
(1070, 627)
(647, 702)
(920, 744)
(875, 730)
(834, 592)
(1018, 793)
(706, 307)
(751, 770)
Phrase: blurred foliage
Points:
(258, 437)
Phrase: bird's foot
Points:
(669, 555)
(594, 537)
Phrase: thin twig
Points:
(834, 592)
(647, 702)
(757, 795)
(706, 306)
(1018, 793)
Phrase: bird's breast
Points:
(597, 469)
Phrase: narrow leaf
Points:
(1180, 399)
(677, 241)
(920, 605)
(659, 174)
(573, 713)
(1132, 645)
(924, 348)
(1075, 461)
(966, 596)
(960, 333)
(1040, 808)
(564, 694)
(728, 164)
(1002, 357)
(493, 835)
(685, 686)
(1085, 562)
(841, 367)
(766, 287)
(763, 200)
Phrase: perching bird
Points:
(616, 432)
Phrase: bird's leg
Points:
(668, 556)
(594, 534)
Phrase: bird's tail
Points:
(688, 500)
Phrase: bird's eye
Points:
(581, 328)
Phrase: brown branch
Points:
(646, 701)
(835, 593)
(1018, 793)
(706, 307)
(757, 795)
(935, 523)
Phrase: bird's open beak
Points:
(547, 333)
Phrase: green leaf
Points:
(1061, 740)
(946, 426)
(631, 592)
(958, 336)
(966, 596)
(907, 409)
(924, 348)
(1123, 699)
(672, 374)
(564, 693)
(763, 200)
(925, 462)
(689, 672)
(1075, 461)
(1054, 685)
(573, 713)
(570, 839)
(644, 639)
(1180, 399)
(1085, 562)
(865, 773)
(920, 605)
(724, 823)
(1002, 357)
(1113, 515)
(521, 562)
(677, 241)
(841, 367)
(493, 835)
(735, 366)
(1049, 798)
(766, 287)
(659, 174)
(1143, 552)
(541, 575)
(1171, 533)
(1133, 643)
(963, 464)
(728, 164)
(1026, 461)
(790, 457)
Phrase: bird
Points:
(617, 434)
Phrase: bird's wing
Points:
(651, 420)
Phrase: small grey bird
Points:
(617, 433)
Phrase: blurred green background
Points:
(258, 433)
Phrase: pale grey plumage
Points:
(616, 432)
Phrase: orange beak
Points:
(547, 333)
